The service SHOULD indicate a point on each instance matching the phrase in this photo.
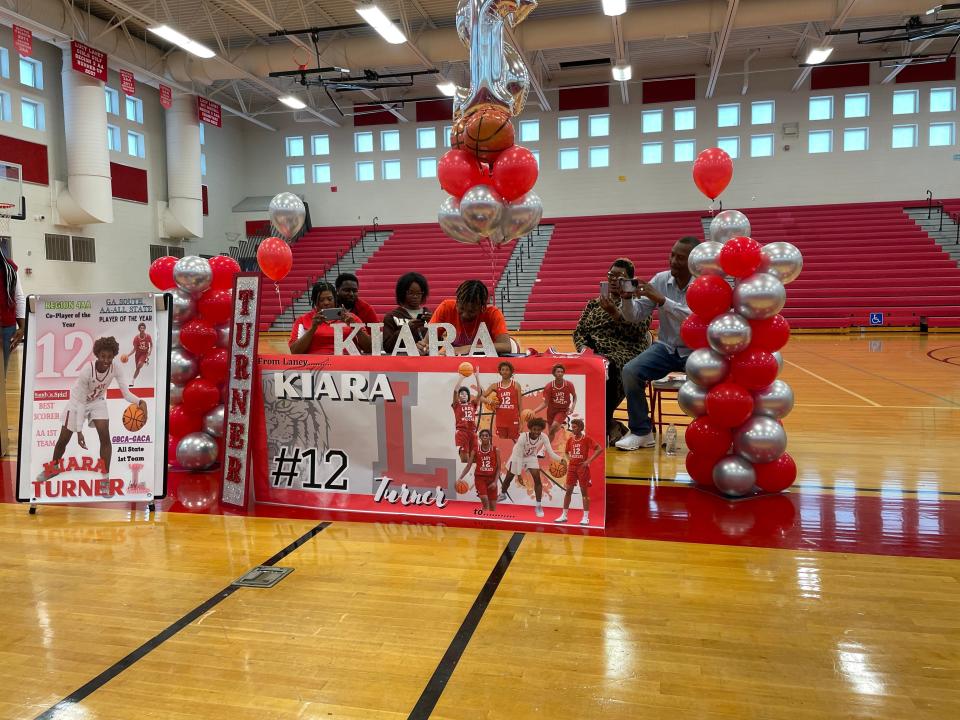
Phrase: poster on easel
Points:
(93, 411)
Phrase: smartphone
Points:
(424, 315)
(628, 285)
(331, 314)
(605, 289)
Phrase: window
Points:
(942, 134)
(856, 105)
(320, 144)
(904, 136)
(447, 132)
(905, 102)
(684, 119)
(730, 145)
(203, 164)
(363, 143)
(651, 121)
(4, 62)
(135, 144)
(761, 113)
(84, 249)
(113, 138)
(684, 150)
(5, 111)
(426, 138)
(203, 137)
(598, 126)
(296, 175)
(728, 115)
(761, 146)
(294, 146)
(599, 157)
(536, 156)
(821, 108)
(391, 169)
(855, 139)
(943, 100)
(529, 131)
(569, 158)
(321, 173)
(31, 73)
(390, 140)
(31, 114)
(651, 153)
(134, 109)
(427, 167)
(819, 141)
(58, 246)
(568, 128)
(364, 170)
(112, 98)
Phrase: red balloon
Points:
(172, 443)
(458, 171)
(275, 258)
(197, 337)
(215, 365)
(740, 256)
(161, 273)
(200, 396)
(515, 172)
(707, 438)
(216, 306)
(693, 332)
(223, 268)
(776, 476)
(770, 334)
(712, 172)
(700, 468)
(754, 369)
(708, 296)
(729, 404)
(183, 422)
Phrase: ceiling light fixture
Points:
(447, 88)
(818, 55)
(291, 102)
(181, 40)
(622, 72)
(381, 23)
(614, 7)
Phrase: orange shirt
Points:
(490, 316)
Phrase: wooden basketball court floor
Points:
(840, 599)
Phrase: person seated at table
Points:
(467, 312)
(411, 292)
(348, 296)
(312, 332)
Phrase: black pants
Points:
(615, 393)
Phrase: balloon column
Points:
(489, 179)
(199, 359)
(737, 441)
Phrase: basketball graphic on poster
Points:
(124, 358)
(134, 418)
(525, 417)
(465, 369)
(461, 487)
(558, 469)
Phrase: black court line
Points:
(157, 640)
(448, 663)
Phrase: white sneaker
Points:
(635, 442)
(585, 520)
(538, 511)
(561, 519)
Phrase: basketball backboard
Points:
(12, 202)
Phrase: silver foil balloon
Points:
(729, 334)
(779, 357)
(734, 476)
(521, 216)
(760, 439)
(184, 309)
(287, 214)
(214, 422)
(775, 401)
(705, 259)
(192, 274)
(481, 207)
(176, 394)
(183, 366)
(783, 260)
(453, 224)
(707, 367)
(175, 335)
(223, 336)
(728, 224)
(759, 297)
(692, 399)
(196, 451)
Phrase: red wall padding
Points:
(128, 183)
(203, 195)
(840, 76)
(435, 111)
(257, 228)
(33, 157)
(934, 72)
(372, 116)
(595, 96)
(669, 90)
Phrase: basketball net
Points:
(6, 214)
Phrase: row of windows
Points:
(905, 102)
(31, 71)
(31, 112)
(136, 144)
(903, 136)
(133, 107)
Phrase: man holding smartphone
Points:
(667, 293)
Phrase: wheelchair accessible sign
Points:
(876, 318)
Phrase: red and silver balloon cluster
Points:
(737, 442)
(489, 178)
(274, 256)
(199, 359)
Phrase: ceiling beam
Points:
(827, 41)
(903, 63)
(722, 43)
(620, 53)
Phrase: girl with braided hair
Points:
(467, 312)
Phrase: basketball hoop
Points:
(6, 213)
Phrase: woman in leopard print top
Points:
(603, 329)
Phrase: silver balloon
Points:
(692, 399)
(779, 357)
(481, 207)
(183, 366)
(729, 224)
(734, 476)
(783, 260)
(706, 367)
(192, 274)
(196, 451)
(287, 214)
(521, 216)
(184, 308)
(775, 401)
(760, 439)
(705, 259)
(175, 335)
(223, 336)
(214, 422)
(176, 394)
(759, 297)
(453, 224)
(729, 334)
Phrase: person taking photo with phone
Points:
(411, 293)
(312, 332)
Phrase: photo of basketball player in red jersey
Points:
(559, 400)
(581, 451)
(485, 459)
(505, 396)
(142, 347)
(466, 413)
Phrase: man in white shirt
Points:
(667, 293)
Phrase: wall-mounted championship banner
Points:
(93, 412)
(208, 112)
(509, 439)
(88, 60)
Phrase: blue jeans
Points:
(7, 335)
(652, 364)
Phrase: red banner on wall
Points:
(23, 40)
(208, 111)
(166, 96)
(127, 82)
(88, 60)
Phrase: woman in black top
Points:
(411, 292)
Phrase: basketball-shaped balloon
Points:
(134, 418)
(465, 369)
(558, 468)
(123, 358)
(487, 133)
(456, 135)
(461, 487)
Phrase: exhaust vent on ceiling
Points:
(573, 64)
